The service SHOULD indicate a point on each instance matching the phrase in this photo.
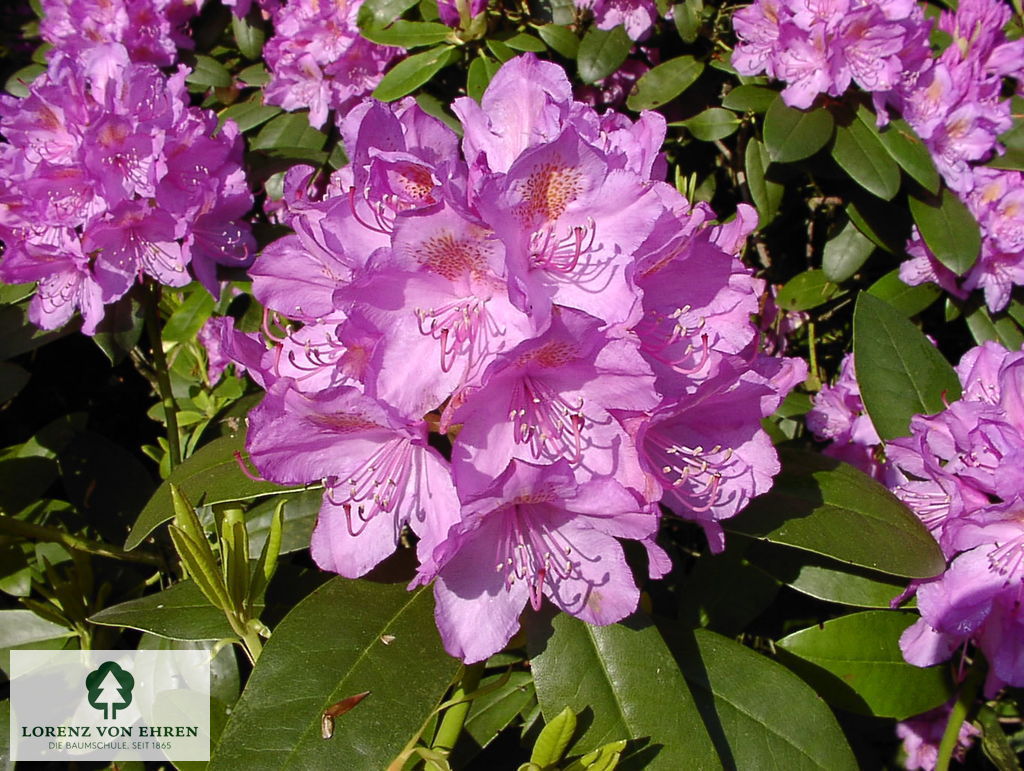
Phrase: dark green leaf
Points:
(878, 221)
(15, 293)
(287, 131)
(687, 18)
(845, 254)
(379, 13)
(725, 592)
(750, 99)
(760, 715)
(949, 229)
(408, 34)
(495, 710)
(481, 70)
(625, 679)
(180, 612)
(501, 51)
(525, 42)
(601, 52)
(328, 648)
(250, 33)
(994, 742)
(907, 149)
(908, 300)
(255, 75)
(899, 372)
(826, 579)
(1012, 160)
(210, 476)
(714, 123)
(409, 74)
(208, 72)
(250, 114)
(560, 39)
(188, 319)
(823, 506)
(1001, 329)
(855, 663)
(300, 511)
(6, 764)
(19, 335)
(12, 379)
(120, 329)
(791, 134)
(805, 291)
(18, 83)
(861, 154)
(767, 195)
(663, 83)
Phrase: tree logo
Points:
(110, 688)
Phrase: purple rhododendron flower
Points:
(109, 175)
(538, 295)
(636, 16)
(922, 735)
(964, 479)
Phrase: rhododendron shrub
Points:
(550, 384)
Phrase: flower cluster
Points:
(318, 60)
(636, 16)
(964, 477)
(108, 174)
(922, 736)
(577, 329)
(823, 47)
(150, 30)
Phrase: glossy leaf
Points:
(714, 123)
(767, 195)
(1001, 329)
(861, 154)
(180, 612)
(601, 52)
(210, 476)
(908, 300)
(949, 229)
(554, 739)
(899, 372)
(759, 714)
(408, 34)
(791, 134)
(907, 149)
(378, 13)
(750, 98)
(290, 130)
(663, 83)
(845, 254)
(328, 648)
(625, 679)
(805, 291)
(411, 73)
(823, 506)
(855, 663)
(250, 114)
(560, 39)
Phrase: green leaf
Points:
(994, 742)
(379, 13)
(823, 506)
(845, 254)
(188, 319)
(907, 149)
(193, 555)
(495, 710)
(601, 52)
(18, 83)
(501, 51)
(604, 758)
(266, 563)
(663, 83)
(207, 72)
(254, 75)
(860, 152)
(899, 372)
(23, 627)
(408, 34)
(560, 39)
(554, 739)
(766, 194)
(1002, 329)
(328, 648)
(949, 229)
(481, 70)
(290, 130)
(250, 33)
(908, 300)
(877, 220)
(525, 42)
(714, 123)
(19, 335)
(6, 764)
(761, 716)
(250, 113)
(210, 476)
(1011, 160)
(826, 579)
(724, 592)
(15, 293)
(805, 291)
(12, 379)
(624, 676)
(180, 612)
(411, 73)
(234, 557)
(750, 99)
(299, 517)
(120, 329)
(687, 18)
(791, 134)
(855, 663)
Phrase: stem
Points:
(964, 701)
(11, 526)
(151, 297)
(455, 716)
